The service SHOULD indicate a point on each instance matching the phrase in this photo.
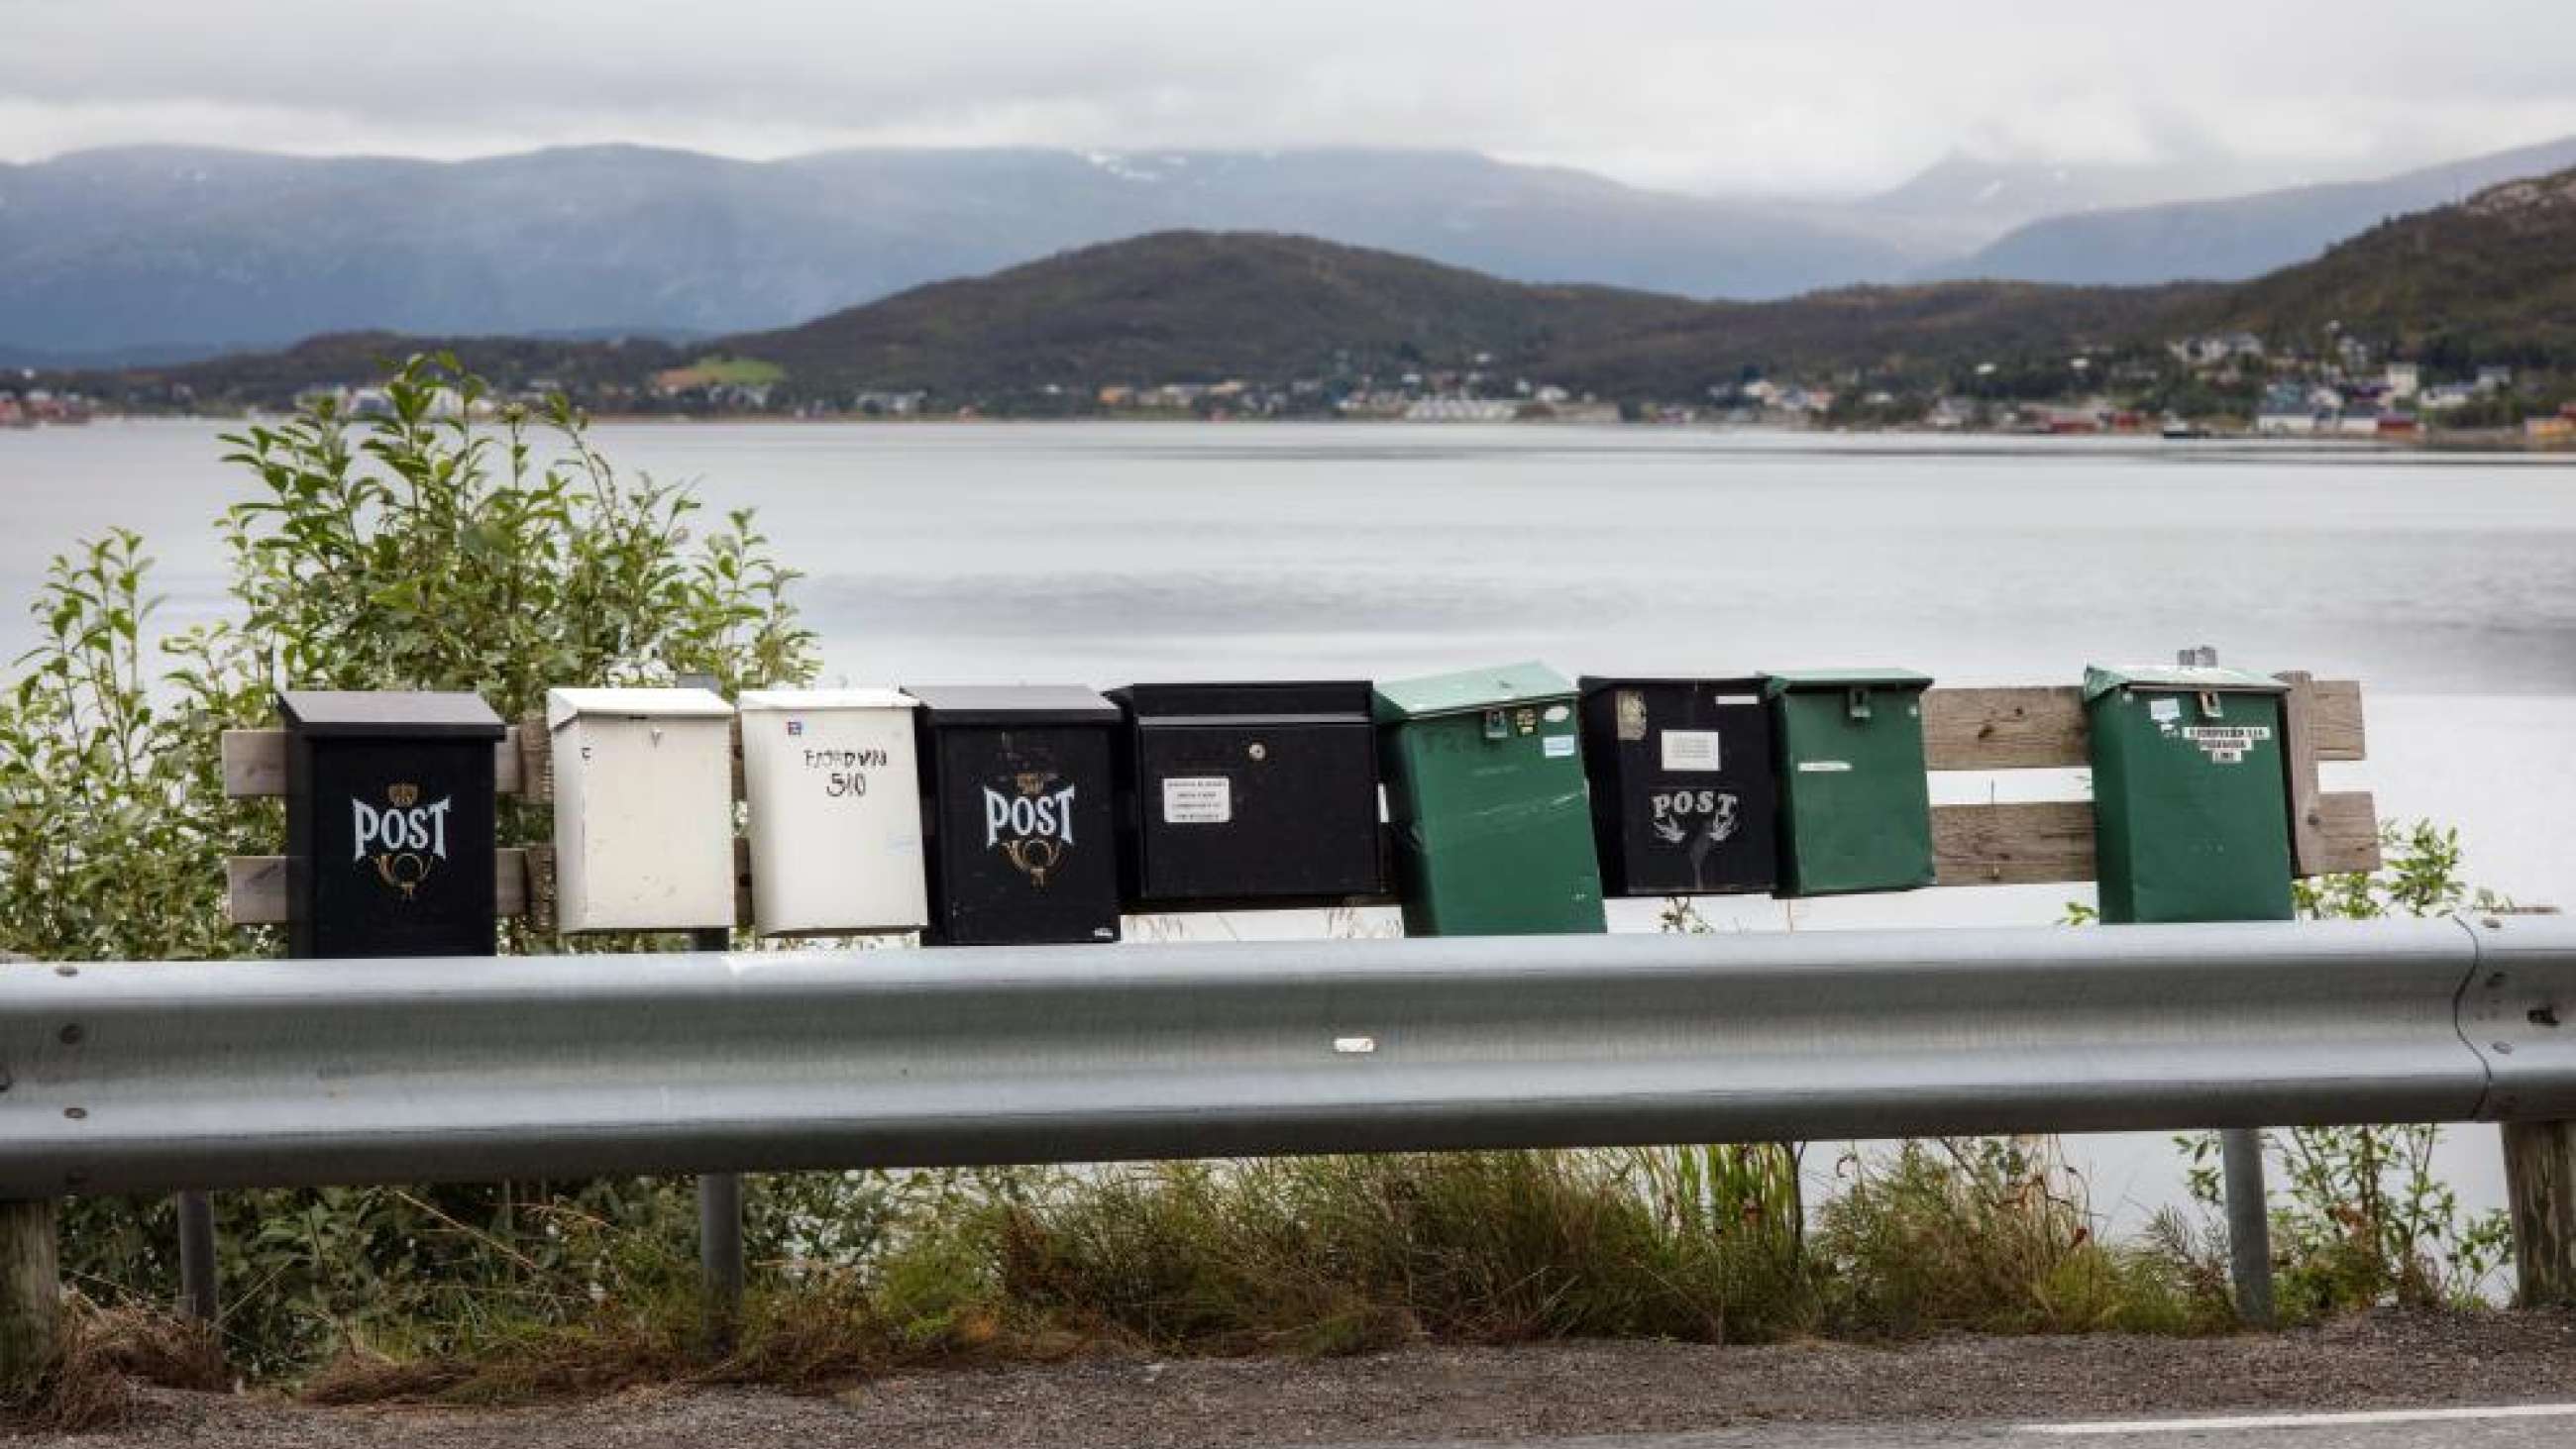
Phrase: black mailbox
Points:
(1250, 794)
(1018, 791)
(1684, 798)
(389, 823)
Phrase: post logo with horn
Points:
(402, 839)
(1033, 828)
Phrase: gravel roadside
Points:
(1439, 1392)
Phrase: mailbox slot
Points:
(1486, 797)
(1856, 803)
(1019, 787)
(2191, 804)
(389, 823)
(1684, 801)
(833, 799)
(1259, 794)
(643, 809)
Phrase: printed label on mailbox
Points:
(1198, 800)
(2226, 744)
(1557, 747)
(1824, 767)
(1690, 750)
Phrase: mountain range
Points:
(162, 253)
(2484, 281)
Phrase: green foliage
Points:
(415, 550)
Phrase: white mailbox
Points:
(643, 809)
(835, 801)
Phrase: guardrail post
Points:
(31, 1297)
(199, 1298)
(2540, 1182)
(2249, 1223)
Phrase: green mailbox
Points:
(2191, 800)
(1484, 787)
(1855, 804)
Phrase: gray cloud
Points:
(1696, 95)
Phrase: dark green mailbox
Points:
(2191, 801)
(1484, 787)
(1855, 804)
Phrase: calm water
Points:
(1108, 553)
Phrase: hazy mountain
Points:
(187, 248)
(2239, 237)
(1964, 201)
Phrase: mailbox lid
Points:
(388, 714)
(1684, 800)
(563, 706)
(1856, 802)
(1255, 792)
(1435, 695)
(1012, 704)
(835, 826)
(2191, 812)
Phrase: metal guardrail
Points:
(148, 1077)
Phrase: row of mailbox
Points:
(1507, 799)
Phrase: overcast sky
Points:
(1695, 94)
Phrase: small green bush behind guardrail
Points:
(426, 549)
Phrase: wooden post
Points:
(2540, 1181)
(31, 1297)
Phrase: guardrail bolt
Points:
(72, 1034)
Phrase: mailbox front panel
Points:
(1857, 804)
(644, 823)
(2191, 808)
(390, 847)
(1256, 810)
(1493, 833)
(834, 798)
(1684, 800)
(1024, 849)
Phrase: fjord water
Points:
(1110, 553)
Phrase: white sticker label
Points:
(1690, 750)
(1824, 767)
(1557, 714)
(2165, 710)
(2226, 744)
(1736, 699)
(1197, 800)
(1557, 747)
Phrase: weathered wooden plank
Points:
(2051, 841)
(31, 1298)
(2042, 727)
(255, 886)
(2299, 761)
(255, 764)
(2026, 843)
(2540, 1187)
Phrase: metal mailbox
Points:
(1485, 789)
(389, 823)
(2191, 806)
(1263, 794)
(1856, 804)
(1684, 801)
(1021, 814)
(834, 801)
(643, 809)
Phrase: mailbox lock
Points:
(2210, 708)
(1257, 750)
(1498, 725)
(1856, 703)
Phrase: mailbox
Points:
(389, 823)
(1856, 805)
(834, 798)
(1021, 814)
(2191, 811)
(1683, 797)
(1484, 784)
(643, 809)
(1254, 794)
